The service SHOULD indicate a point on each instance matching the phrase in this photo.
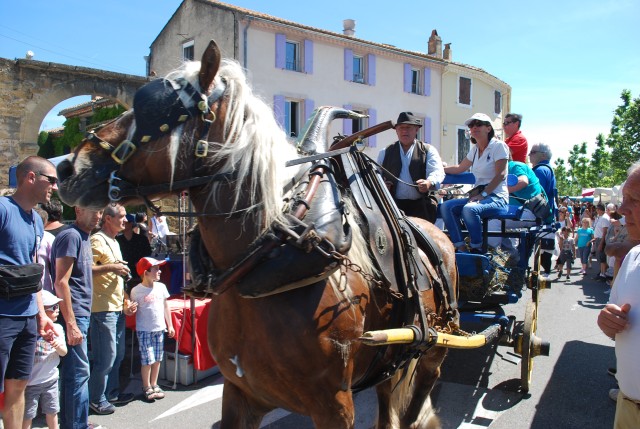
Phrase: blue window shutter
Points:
(281, 51)
(309, 105)
(427, 82)
(371, 75)
(346, 123)
(348, 65)
(308, 56)
(407, 77)
(373, 120)
(278, 109)
(427, 130)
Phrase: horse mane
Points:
(256, 148)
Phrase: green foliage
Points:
(45, 145)
(71, 138)
(607, 166)
(106, 113)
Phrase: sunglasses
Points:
(53, 307)
(51, 179)
(505, 123)
(476, 124)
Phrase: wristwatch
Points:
(484, 194)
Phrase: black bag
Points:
(476, 191)
(430, 208)
(20, 280)
(539, 206)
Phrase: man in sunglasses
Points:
(22, 317)
(514, 138)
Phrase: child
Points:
(152, 318)
(43, 385)
(567, 252)
(585, 238)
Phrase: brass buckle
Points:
(123, 152)
(202, 147)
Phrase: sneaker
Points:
(612, 371)
(613, 394)
(103, 408)
(567, 279)
(123, 398)
(583, 272)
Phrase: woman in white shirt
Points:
(488, 161)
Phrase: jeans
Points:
(74, 376)
(107, 348)
(472, 213)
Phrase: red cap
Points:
(145, 263)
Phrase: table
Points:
(181, 315)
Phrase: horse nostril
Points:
(64, 170)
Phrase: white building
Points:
(296, 68)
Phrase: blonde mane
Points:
(256, 149)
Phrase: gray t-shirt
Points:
(75, 243)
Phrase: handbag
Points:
(476, 191)
(20, 280)
(539, 206)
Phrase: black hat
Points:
(408, 118)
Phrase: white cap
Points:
(478, 117)
(49, 299)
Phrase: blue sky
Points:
(566, 60)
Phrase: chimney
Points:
(435, 45)
(447, 51)
(349, 27)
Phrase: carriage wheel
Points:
(529, 332)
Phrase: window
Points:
(292, 61)
(359, 68)
(415, 81)
(292, 118)
(464, 91)
(463, 143)
(294, 55)
(188, 51)
(497, 102)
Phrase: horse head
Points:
(148, 145)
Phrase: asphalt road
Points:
(478, 388)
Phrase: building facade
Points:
(297, 68)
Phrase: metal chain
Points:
(348, 264)
(445, 326)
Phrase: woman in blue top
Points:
(487, 160)
(585, 238)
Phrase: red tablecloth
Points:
(181, 311)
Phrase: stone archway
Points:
(30, 89)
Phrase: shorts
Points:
(566, 256)
(151, 346)
(46, 394)
(600, 255)
(18, 335)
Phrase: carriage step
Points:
(408, 336)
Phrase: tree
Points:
(624, 139)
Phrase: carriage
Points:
(320, 286)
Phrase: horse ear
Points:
(209, 66)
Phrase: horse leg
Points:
(338, 415)
(405, 403)
(238, 411)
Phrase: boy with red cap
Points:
(152, 319)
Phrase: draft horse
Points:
(299, 349)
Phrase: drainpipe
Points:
(245, 43)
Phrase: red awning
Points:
(588, 192)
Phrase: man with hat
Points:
(412, 168)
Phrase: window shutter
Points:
(309, 105)
(407, 77)
(371, 74)
(373, 120)
(348, 65)
(426, 130)
(308, 56)
(278, 109)
(427, 82)
(346, 123)
(281, 51)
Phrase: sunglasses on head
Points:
(51, 179)
(475, 123)
(53, 307)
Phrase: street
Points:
(478, 388)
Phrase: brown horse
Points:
(297, 350)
